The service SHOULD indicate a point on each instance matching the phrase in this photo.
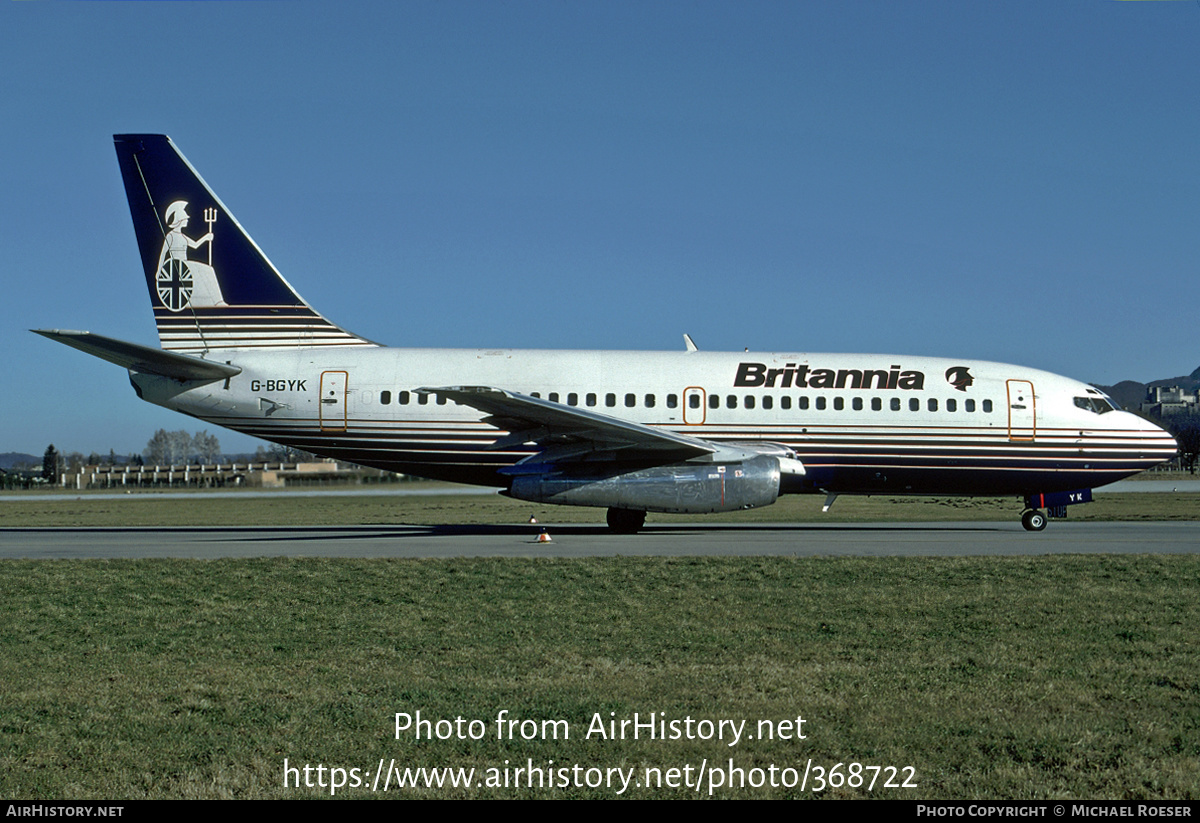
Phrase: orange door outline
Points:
(1022, 410)
(331, 406)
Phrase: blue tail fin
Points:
(211, 286)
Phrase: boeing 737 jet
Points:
(633, 432)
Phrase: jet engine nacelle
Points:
(686, 488)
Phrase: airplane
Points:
(633, 432)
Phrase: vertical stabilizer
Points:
(211, 286)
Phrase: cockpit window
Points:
(1112, 404)
(1099, 405)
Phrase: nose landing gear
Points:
(1034, 520)
(1055, 504)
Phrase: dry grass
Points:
(992, 677)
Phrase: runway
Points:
(760, 540)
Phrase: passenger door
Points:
(1022, 410)
(332, 408)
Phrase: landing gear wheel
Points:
(1033, 520)
(625, 521)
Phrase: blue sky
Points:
(1005, 181)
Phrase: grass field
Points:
(1054, 677)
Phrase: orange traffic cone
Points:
(544, 537)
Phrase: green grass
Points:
(1020, 677)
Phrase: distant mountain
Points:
(1127, 393)
(10, 459)
(1131, 394)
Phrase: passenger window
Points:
(895, 404)
(385, 397)
(535, 394)
(610, 400)
(422, 399)
(672, 401)
(573, 399)
(553, 398)
(987, 406)
(591, 398)
(630, 400)
(839, 403)
(914, 404)
(933, 404)
(821, 403)
(441, 399)
(649, 401)
(969, 405)
(768, 402)
(785, 402)
(857, 404)
(749, 401)
(714, 401)
(693, 401)
(403, 398)
(951, 405)
(803, 403)
(876, 404)
(731, 401)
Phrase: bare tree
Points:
(180, 446)
(168, 447)
(279, 453)
(206, 447)
(156, 448)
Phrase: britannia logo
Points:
(183, 282)
(959, 377)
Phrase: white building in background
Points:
(1167, 401)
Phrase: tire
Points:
(626, 521)
(1033, 520)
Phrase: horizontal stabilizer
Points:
(140, 358)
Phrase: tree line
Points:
(164, 448)
(167, 448)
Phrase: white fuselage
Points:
(859, 423)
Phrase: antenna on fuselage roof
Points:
(687, 341)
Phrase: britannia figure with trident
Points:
(183, 282)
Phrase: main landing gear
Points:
(625, 521)
(1034, 520)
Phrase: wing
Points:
(567, 433)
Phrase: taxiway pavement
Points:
(671, 540)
